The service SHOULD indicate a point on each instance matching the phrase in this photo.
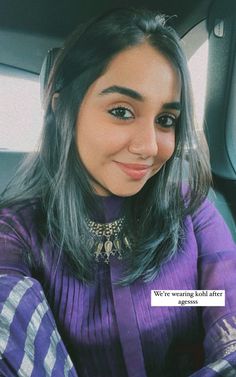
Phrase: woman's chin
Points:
(122, 189)
(125, 192)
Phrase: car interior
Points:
(29, 29)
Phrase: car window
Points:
(20, 109)
(198, 72)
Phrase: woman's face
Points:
(125, 129)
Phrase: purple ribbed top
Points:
(112, 331)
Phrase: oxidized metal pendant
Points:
(117, 244)
(127, 242)
(99, 248)
(108, 246)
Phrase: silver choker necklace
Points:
(107, 239)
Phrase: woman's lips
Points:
(134, 171)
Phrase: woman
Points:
(100, 216)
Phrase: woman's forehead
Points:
(144, 70)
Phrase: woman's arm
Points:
(217, 270)
(30, 344)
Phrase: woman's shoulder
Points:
(207, 214)
(21, 218)
(205, 211)
(24, 209)
(211, 231)
(21, 223)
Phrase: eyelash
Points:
(169, 116)
(157, 119)
(121, 108)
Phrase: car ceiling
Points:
(28, 28)
(60, 17)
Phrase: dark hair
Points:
(155, 215)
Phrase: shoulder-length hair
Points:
(56, 175)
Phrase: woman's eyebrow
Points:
(123, 90)
(172, 106)
(137, 96)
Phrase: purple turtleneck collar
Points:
(112, 206)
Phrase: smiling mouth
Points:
(134, 171)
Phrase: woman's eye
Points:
(166, 121)
(122, 113)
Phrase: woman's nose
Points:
(144, 141)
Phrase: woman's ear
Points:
(54, 101)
